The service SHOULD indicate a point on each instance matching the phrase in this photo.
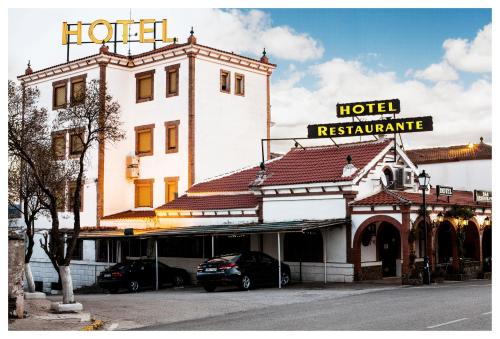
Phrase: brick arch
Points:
(476, 223)
(356, 247)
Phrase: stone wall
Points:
(16, 271)
(315, 271)
(84, 273)
(371, 272)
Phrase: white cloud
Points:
(470, 56)
(437, 72)
(452, 106)
(245, 32)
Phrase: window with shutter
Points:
(59, 145)
(144, 192)
(171, 188)
(172, 80)
(144, 86)
(144, 144)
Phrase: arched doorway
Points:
(388, 248)
(446, 243)
(487, 249)
(471, 242)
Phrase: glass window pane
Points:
(172, 82)
(145, 88)
(171, 190)
(76, 144)
(225, 82)
(60, 94)
(78, 91)
(144, 141)
(59, 146)
(172, 137)
(143, 195)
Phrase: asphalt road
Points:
(450, 307)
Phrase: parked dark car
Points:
(137, 274)
(245, 270)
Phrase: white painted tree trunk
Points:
(67, 285)
(29, 277)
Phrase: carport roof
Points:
(251, 228)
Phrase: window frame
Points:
(141, 129)
(72, 133)
(62, 135)
(55, 86)
(242, 77)
(168, 180)
(143, 182)
(73, 80)
(172, 69)
(228, 73)
(169, 125)
(138, 78)
(72, 184)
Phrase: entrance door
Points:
(389, 248)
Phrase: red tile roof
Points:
(131, 215)
(479, 151)
(389, 197)
(212, 202)
(309, 165)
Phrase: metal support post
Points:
(279, 261)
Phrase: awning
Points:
(251, 228)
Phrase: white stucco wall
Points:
(228, 126)
(297, 208)
(461, 175)
(88, 215)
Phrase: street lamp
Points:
(423, 180)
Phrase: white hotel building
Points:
(192, 112)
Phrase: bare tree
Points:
(28, 129)
(92, 118)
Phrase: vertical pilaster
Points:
(268, 114)
(101, 143)
(405, 229)
(191, 119)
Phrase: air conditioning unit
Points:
(132, 167)
(132, 160)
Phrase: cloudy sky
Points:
(436, 61)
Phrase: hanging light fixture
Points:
(440, 217)
(487, 222)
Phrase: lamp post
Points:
(423, 180)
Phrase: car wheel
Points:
(246, 282)
(178, 281)
(285, 279)
(133, 286)
(209, 287)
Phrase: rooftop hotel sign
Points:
(372, 127)
(147, 31)
(101, 31)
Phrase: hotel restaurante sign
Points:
(372, 127)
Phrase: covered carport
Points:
(212, 231)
